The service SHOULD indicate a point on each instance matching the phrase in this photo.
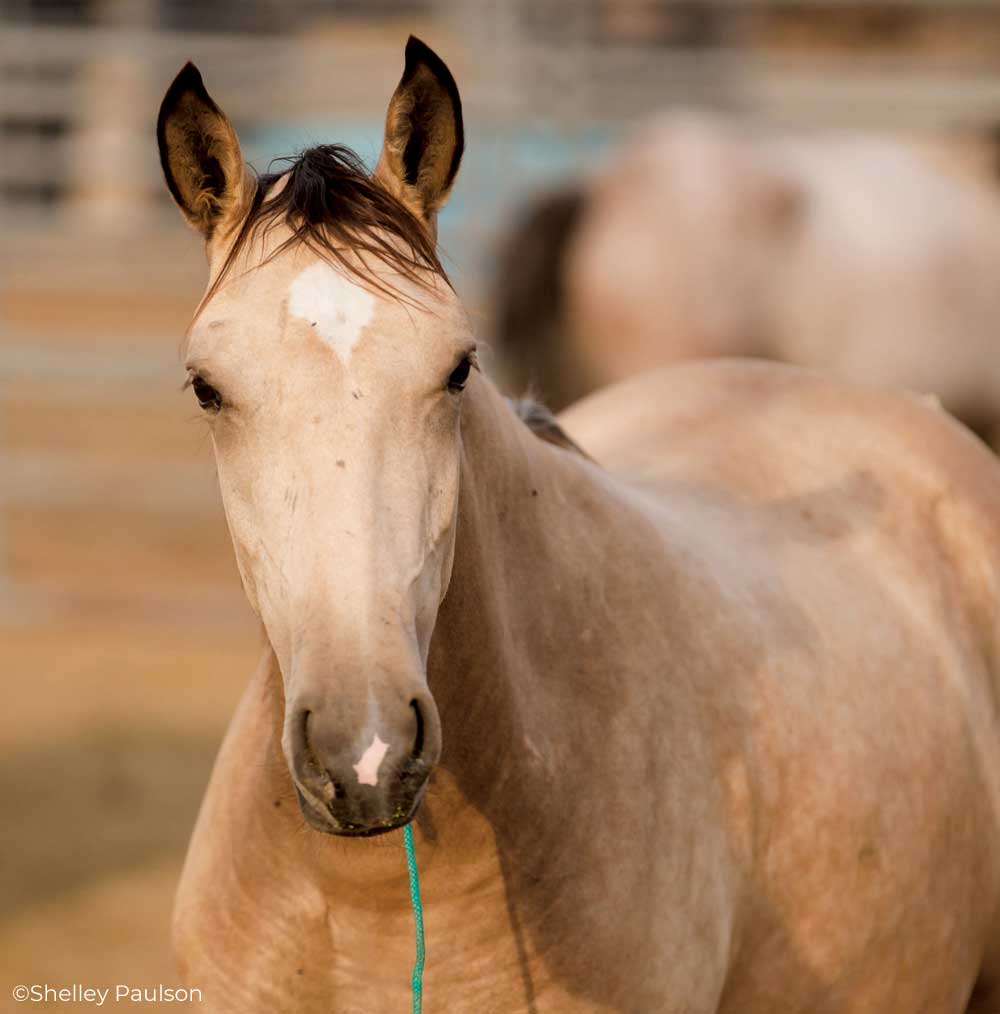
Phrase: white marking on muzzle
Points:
(371, 760)
(338, 309)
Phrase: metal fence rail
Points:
(79, 80)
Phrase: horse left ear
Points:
(424, 138)
(201, 157)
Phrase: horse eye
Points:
(208, 398)
(460, 375)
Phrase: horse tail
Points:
(530, 295)
(993, 135)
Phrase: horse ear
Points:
(199, 152)
(424, 138)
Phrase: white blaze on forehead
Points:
(337, 308)
(371, 760)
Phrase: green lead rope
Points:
(418, 920)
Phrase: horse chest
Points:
(319, 925)
(476, 960)
(351, 951)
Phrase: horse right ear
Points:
(199, 152)
(424, 136)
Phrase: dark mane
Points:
(544, 424)
(332, 205)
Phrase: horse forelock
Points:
(331, 204)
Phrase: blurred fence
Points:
(80, 79)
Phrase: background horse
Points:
(713, 728)
(841, 251)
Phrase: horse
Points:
(841, 251)
(688, 698)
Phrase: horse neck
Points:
(521, 663)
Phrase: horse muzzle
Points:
(362, 784)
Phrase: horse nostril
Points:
(324, 775)
(310, 757)
(418, 739)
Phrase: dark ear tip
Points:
(417, 49)
(188, 80)
(190, 73)
(417, 53)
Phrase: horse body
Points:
(747, 761)
(708, 727)
(498, 669)
(854, 536)
(844, 252)
(885, 277)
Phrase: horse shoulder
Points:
(239, 920)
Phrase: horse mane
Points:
(544, 424)
(333, 205)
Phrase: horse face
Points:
(335, 421)
(334, 409)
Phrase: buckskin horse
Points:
(701, 720)
(841, 251)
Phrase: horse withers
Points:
(704, 722)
